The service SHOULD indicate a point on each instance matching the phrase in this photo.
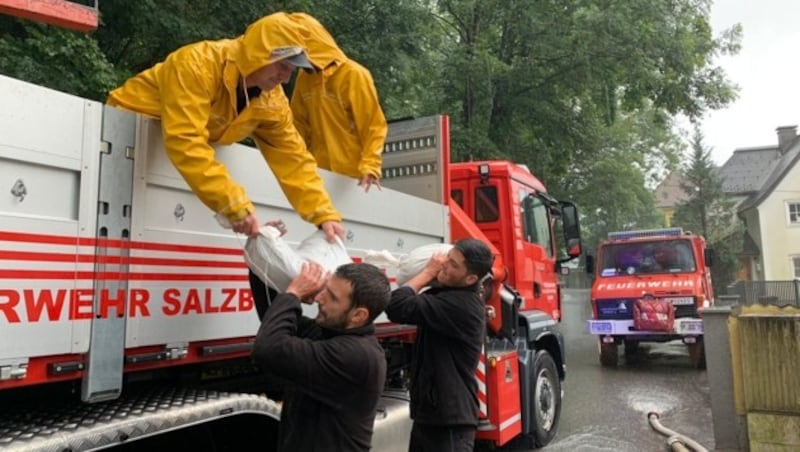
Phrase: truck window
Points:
(486, 209)
(662, 256)
(458, 197)
(535, 223)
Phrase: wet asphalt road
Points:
(605, 409)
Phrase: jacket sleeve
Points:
(447, 314)
(370, 122)
(295, 168)
(186, 94)
(318, 368)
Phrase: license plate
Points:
(691, 327)
(682, 301)
(600, 327)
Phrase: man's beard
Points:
(338, 323)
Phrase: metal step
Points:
(83, 426)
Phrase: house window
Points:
(796, 264)
(794, 213)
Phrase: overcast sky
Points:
(766, 71)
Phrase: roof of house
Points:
(750, 174)
(669, 192)
(778, 169)
(748, 168)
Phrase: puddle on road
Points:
(594, 440)
(651, 400)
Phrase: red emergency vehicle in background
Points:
(640, 269)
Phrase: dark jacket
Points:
(335, 379)
(450, 327)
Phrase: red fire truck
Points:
(661, 264)
(126, 319)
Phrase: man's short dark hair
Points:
(477, 256)
(370, 287)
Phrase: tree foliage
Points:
(709, 211)
(583, 92)
(60, 59)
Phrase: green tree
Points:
(582, 94)
(60, 59)
(709, 211)
(575, 90)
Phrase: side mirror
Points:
(589, 264)
(572, 229)
(709, 255)
(574, 248)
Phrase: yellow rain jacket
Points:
(193, 92)
(336, 109)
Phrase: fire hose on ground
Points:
(676, 441)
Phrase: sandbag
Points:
(409, 264)
(653, 314)
(276, 263)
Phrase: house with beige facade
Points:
(765, 183)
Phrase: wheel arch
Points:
(541, 332)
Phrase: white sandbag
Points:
(276, 263)
(409, 264)
(316, 248)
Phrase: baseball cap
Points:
(294, 55)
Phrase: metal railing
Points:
(780, 293)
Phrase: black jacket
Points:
(335, 379)
(450, 327)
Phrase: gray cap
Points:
(294, 55)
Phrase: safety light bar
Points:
(626, 235)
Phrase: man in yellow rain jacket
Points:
(336, 109)
(220, 92)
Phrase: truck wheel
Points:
(631, 351)
(608, 354)
(697, 354)
(546, 401)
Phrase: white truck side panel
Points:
(195, 283)
(49, 145)
(187, 280)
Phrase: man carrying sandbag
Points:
(335, 369)
(450, 320)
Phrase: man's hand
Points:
(309, 282)
(434, 266)
(428, 274)
(279, 225)
(332, 229)
(248, 225)
(369, 180)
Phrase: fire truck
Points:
(667, 264)
(126, 318)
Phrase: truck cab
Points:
(532, 234)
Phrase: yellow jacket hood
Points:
(321, 48)
(264, 37)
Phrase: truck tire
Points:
(546, 403)
(608, 354)
(631, 351)
(697, 354)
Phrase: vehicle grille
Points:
(622, 309)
